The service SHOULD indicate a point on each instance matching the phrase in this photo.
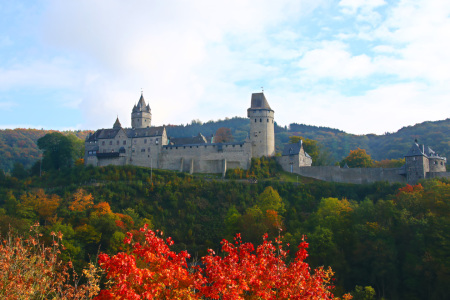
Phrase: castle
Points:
(144, 145)
(147, 146)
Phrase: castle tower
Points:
(141, 116)
(262, 133)
(417, 164)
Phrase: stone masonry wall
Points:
(205, 158)
(352, 175)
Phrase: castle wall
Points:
(438, 175)
(115, 161)
(437, 164)
(352, 175)
(205, 158)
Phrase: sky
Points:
(362, 66)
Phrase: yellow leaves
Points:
(82, 201)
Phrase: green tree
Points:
(59, 150)
(269, 199)
(320, 157)
(358, 159)
(19, 171)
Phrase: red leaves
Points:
(153, 271)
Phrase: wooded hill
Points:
(19, 145)
(393, 238)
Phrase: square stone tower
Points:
(262, 132)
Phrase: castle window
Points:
(133, 150)
(148, 149)
(205, 146)
(145, 141)
(267, 120)
(260, 120)
(176, 147)
(124, 142)
(103, 143)
(190, 147)
(134, 142)
(117, 143)
(142, 150)
(240, 145)
(110, 142)
(255, 120)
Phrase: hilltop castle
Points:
(147, 146)
(144, 145)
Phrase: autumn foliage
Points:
(31, 270)
(152, 271)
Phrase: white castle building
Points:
(149, 146)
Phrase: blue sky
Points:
(363, 66)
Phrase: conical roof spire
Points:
(117, 124)
(142, 106)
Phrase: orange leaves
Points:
(153, 271)
(103, 208)
(81, 201)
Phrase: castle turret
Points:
(262, 133)
(141, 116)
(117, 124)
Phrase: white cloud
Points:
(332, 60)
(352, 6)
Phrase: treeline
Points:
(393, 238)
(20, 146)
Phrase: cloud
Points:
(332, 60)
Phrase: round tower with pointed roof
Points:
(141, 115)
(262, 132)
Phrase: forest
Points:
(382, 241)
(20, 145)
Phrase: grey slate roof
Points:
(199, 139)
(130, 132)
(294, 149)
(259, 101)
(422, 150)
(141, 106)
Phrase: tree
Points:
(152, 271)
(319, 156)
(358, 159)
(19, 171)
(223, 135)
(59, 150)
